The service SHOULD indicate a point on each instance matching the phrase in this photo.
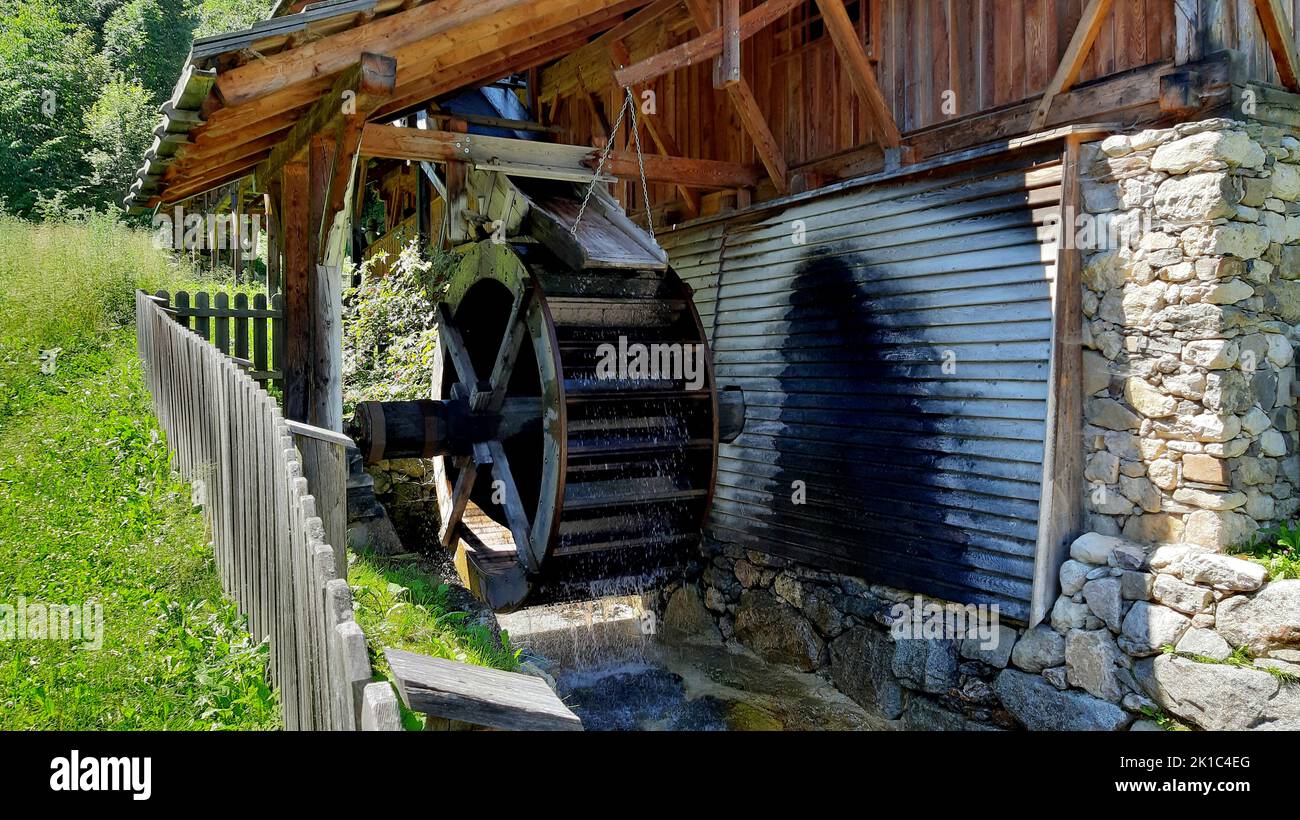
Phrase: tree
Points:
(221, 16)
(120, 129)
(148, 40)
(50, 76)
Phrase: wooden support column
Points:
(236, 246)
(1189, 44)
(325, 398)
(726, 68)
(298, 264)
(457, 195)
(1061, 504)
(273, 206)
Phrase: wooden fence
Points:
(253, 335)
(273, 493)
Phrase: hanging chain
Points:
(600, 166)
(628, 105)
(640, 161)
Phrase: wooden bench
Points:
(452, 693)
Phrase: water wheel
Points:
(600, 481)
(574, 422)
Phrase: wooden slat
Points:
(483, 697)
(854, 57)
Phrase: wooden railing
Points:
(253, 335)
(273, 493)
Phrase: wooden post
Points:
(325, 397)
(1060, 511)
(457, 198)
(236, 234)
(1188, 19)
(298, 264)
(273, 239)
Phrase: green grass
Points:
(90, 512)
(1276, 548)
(398, 606)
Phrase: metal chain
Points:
(628, 105)
(600, 166)
(640, 161)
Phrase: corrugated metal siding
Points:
(915, 477)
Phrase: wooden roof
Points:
(240, 94)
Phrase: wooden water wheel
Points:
(559, 476)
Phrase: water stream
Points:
(616, 677)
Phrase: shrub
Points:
(389, 333)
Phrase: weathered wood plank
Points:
(474, 694)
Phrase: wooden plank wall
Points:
(991, 53)
(926, 479)
(229, 439)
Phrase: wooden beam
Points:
(1072, 62)
(854, 56)
(355, 94)
(442, 146)
(329, 55)
(298, 264)
(726, 68)
(705, 46)
(1281, 41)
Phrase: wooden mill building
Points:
(857, 192)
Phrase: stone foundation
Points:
(1137, 634)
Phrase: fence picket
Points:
(263, 500)
(221, 322)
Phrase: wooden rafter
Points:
(707, 45)
(1281, 41)
(1072, 62)
(442, 146)
(854, 56)
(342, 111)
(746, 107)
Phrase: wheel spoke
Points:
(516, 332)
(516, 515)
(450, 527)
(454, 344)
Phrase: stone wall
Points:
(1190, 433)
(1190, 447)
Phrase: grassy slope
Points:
(90, 512)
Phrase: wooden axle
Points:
(426, 428)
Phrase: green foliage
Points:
(149, 40)
(1241, 658)
(50, 76)
(118, 128)
(220, 16)
(389, 338)
(1276, 548)
(80, 82)
(89, 508)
